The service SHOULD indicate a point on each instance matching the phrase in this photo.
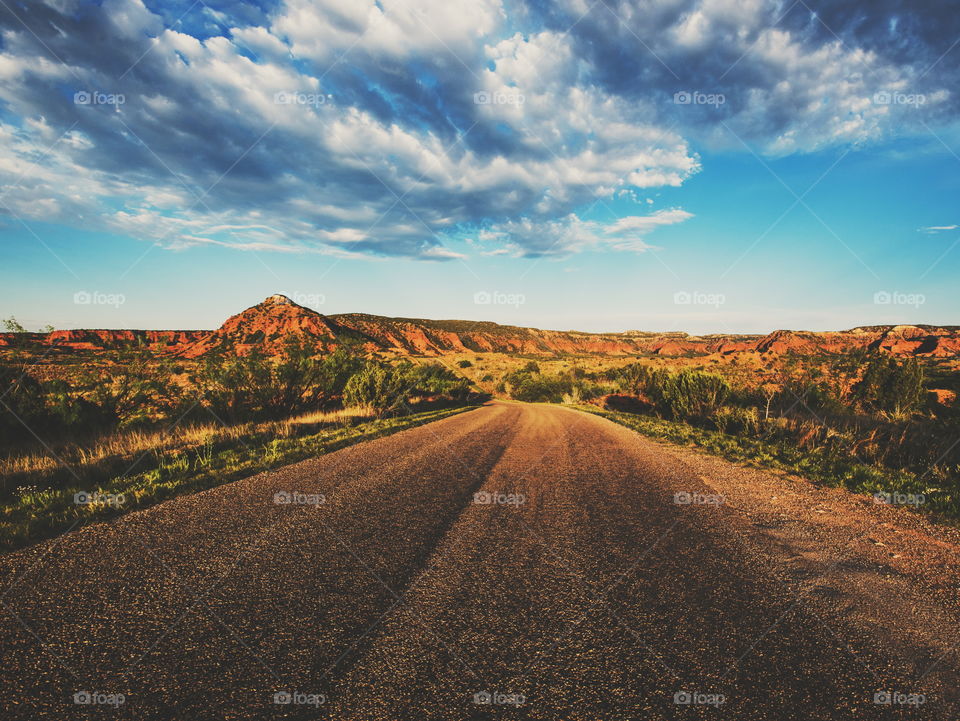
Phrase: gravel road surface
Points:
(516, 561)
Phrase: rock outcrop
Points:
(268, 325)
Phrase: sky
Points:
(709, 166)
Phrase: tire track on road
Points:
(292, 605)
(599, 597)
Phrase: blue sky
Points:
(696, 165)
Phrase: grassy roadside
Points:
(833, 470)
(39, 514)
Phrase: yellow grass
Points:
(132, 443)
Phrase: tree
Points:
(769, 391)
(11, 325)
(136, 390)
(890, 387)
(254, 386)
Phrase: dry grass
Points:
(131, 443)
(43, 506)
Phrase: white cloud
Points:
(646, 223)
(393, 155)
(571, 234)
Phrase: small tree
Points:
(11, 325)
(890, 387)
(376, 387)
(769, 391)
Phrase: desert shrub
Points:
(632, 379)
(583, 390)
(806, 396)
(255, 387)
(891, 387)
(688, 394)
(464, 364)
(538, 388)
(737, 420)
(380, 388)
(530, 385)
(23, 404)
(73, 411)
(235, 388)
(431, 379)
(658, 389)
(135, 391)
(385, 389)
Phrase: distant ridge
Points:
(268, 324)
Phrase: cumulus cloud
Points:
(784, 77)
(395, 127)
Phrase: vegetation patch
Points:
(33, 513)
(821, 464)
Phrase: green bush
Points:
(432, 379)
(737, 420)
(633, 379)
(379, 388)
(688, 394)
(256, 387)
(23, 404)
(384, 389)
(891, 387)
(540, 389)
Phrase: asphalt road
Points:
(530, 556)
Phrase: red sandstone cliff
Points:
(267, 325)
